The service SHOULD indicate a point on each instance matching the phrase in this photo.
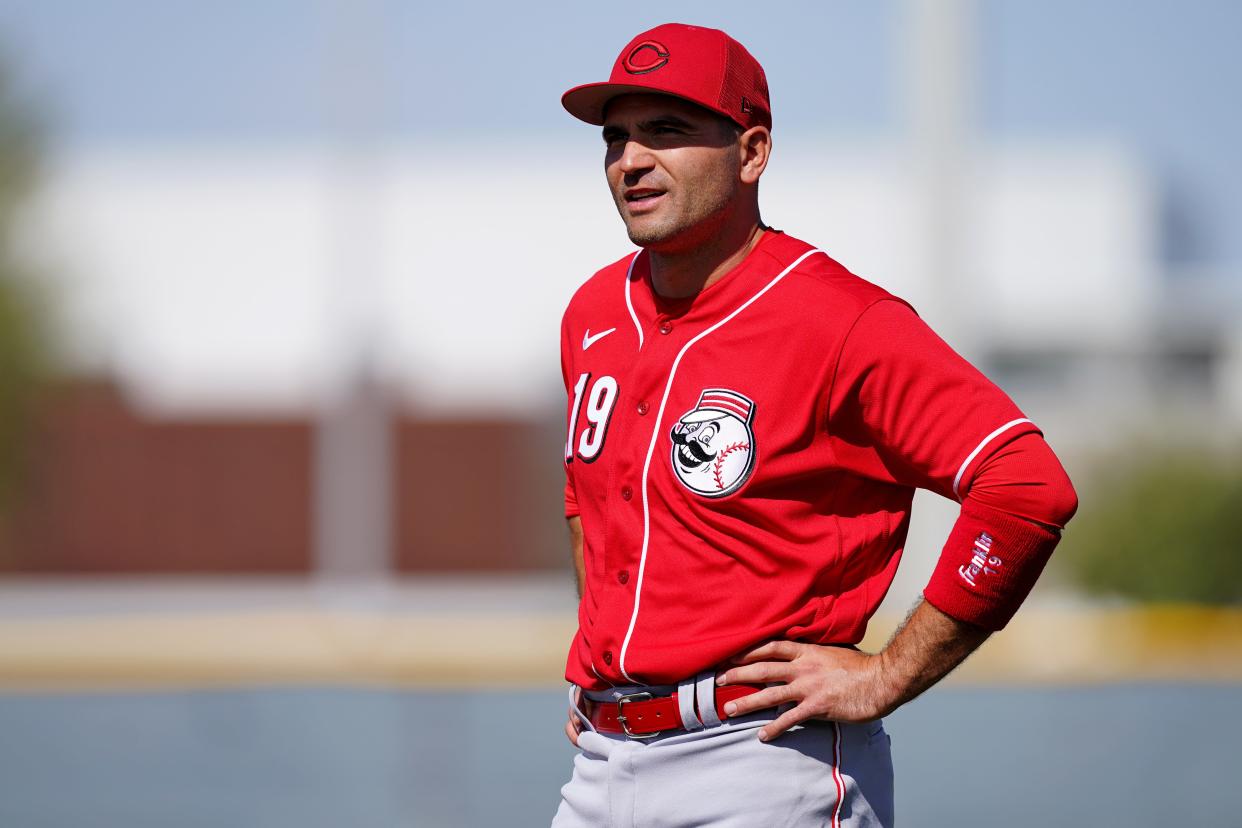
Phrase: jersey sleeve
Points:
(1010, 523)
(906, 407)
(1026, 479)
(923, 416)
(571, 498)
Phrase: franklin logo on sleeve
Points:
(982, 561)
(713, 444)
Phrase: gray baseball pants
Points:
(719, 774)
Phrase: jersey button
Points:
(643, 408)
(608, 656)
(623, 577)
(666, 328)
(626, 492)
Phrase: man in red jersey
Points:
(747, 424)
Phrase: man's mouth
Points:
(641, 199)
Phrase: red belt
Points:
(640, 714)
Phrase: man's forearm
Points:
(922, 652)
(575, 546)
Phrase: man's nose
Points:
(636, 157)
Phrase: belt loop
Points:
(705, 695)
(573, 705)
(685, 704)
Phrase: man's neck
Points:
(684, 274)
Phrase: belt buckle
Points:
(621, 703)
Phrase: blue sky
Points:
(1154, 77)
(128, 70)
(1159, 77)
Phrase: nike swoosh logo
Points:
(588, 340)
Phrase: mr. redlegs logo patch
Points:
(982, 561)
(647, 56)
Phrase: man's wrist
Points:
(887, 682)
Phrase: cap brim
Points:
(587, 102)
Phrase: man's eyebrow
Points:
(614, 130)
(666, 120)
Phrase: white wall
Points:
(210, 279)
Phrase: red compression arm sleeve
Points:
(1017, 503)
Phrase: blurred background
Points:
(280, 406)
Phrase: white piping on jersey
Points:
(655, 435)
(598, 676)
(630, 304)
(958, 480)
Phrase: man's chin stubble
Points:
(647, 236)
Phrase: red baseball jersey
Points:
(743, 461)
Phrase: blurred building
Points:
(340, 355)
(210, 301)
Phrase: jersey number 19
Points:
(598, 409)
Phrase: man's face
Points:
(673, 169)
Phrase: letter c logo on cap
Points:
(647, 56)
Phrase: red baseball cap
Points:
(703, 66)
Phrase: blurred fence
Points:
(110, 490)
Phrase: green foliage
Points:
(1166, 529)
(21, 339)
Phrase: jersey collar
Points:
(719, 298)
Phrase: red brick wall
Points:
(474, 495)
(108, 490)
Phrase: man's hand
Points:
(825, 682)
(846, 685)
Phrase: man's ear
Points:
(755, 147)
